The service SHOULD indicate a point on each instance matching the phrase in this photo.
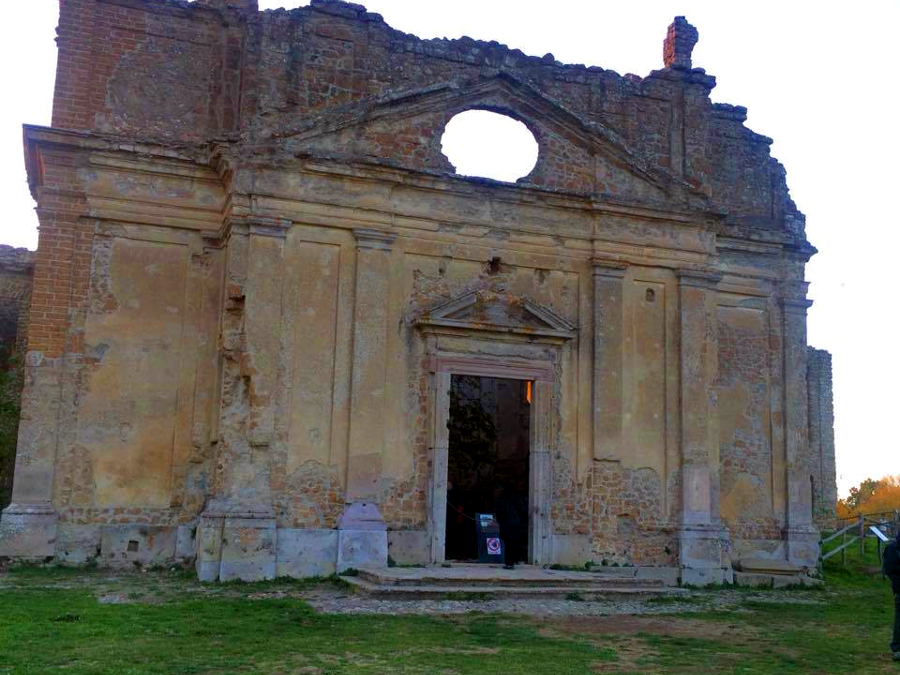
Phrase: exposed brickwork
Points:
(680, 41)
(269, 73)
(746, 454)
(311, 496)
(628, 523)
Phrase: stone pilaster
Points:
(800, 533)
(540, 493)
(362, 537)
(237, 531)
(28, 525)
(440, 455)
(609, 324)
(703, 541)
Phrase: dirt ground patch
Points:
(628, 625)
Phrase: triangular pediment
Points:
(366, 130)
(489, 311)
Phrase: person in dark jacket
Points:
(891, 562)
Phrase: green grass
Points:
(52, 620)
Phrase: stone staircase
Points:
(473, 581)
(766, 573)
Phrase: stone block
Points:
(767, 566)
(782, 581)
(668, 575)
(78, 544)
(768, 580)
(753, 579)
(209, 547)
(248, 549)
(409, 547)
(803, 547)
(702, 556)
(571, 549)
(306, 553)
(137, 544)
(186, 542)
(362, 537)
(28, 531)
(758, 549)
(361, 548)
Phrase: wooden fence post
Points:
(862, 537)
(843, 549)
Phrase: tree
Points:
(871, 496)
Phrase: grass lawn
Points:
(79, 622)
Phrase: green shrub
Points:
(10, 391)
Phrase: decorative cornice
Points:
(694, 277)
(548, 323)
(795, 305)
(269, 227)
(374, 239)
(609, 268)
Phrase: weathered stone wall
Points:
(821, 437)
(211, 69)
(746, 458)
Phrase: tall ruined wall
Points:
(248, 229)
(120, 378)
(821, 436)
(193, 72)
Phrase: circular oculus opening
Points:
(485, 144)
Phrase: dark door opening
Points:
(487, 464)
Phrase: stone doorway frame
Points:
(541, 430)
(457, 343)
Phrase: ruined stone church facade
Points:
(257, 274)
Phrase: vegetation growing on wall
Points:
(10, 390)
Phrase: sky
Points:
(818, 77)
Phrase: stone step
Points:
(763, 580)
(501, 578)
(767, 566)
(481, 591)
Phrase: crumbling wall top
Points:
(14, 259)
(220, 70)
(679, 43)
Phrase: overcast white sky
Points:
(818, 77)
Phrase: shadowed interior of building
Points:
(488, 463)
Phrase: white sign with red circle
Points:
(493, 546)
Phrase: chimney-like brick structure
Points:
(679, 43)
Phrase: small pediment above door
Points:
(487, 311)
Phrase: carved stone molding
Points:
(698, 277)
(375, 239)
